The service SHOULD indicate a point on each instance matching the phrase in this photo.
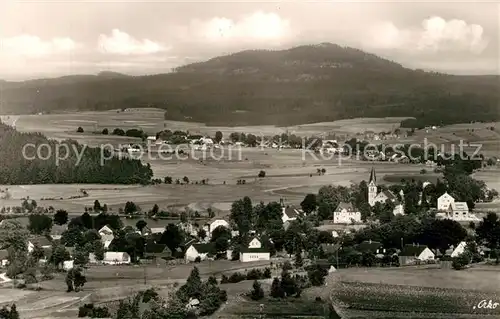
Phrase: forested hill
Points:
(300, 85)
(15, 168)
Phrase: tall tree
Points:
(241, 214)
(309, 203)
(488, 231)
(39, 224)
(61, 217)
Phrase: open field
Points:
(416, 292)
(151, 120)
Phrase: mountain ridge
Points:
(300, 85)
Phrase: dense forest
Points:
(305, 84)
(45, 168)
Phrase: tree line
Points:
(17, 169)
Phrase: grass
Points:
(415, 292)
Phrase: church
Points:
(381, 197)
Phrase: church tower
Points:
(372, 188)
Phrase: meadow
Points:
(416, 293)
(290, 174)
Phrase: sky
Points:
(56, 38)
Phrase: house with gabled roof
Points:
(412, 254)
(155, 251)
(203, 251)
(288, 213)
(254, 251)
(381, 197)
(215, 222)
(458, 211)
(346, 213)
(371, 246)
(107, 235)
(444, 201)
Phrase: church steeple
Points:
(373, 177)
(372, 188)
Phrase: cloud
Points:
(33, 46)
(122, 43)
(435, 34)
(257, 26)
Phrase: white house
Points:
(151, 139)
(254, 251)
(381, 197)
(107, 236)
(459, 249)
(199, 250)
(112, 258)
(444, 201)
(411, 254)
(458, 211)
(345, 214)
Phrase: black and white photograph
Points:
(229, 159)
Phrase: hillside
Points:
(305, 84)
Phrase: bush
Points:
(88, 310)
(118, 131)
(197, 259)
(257, 292)
(79, 129)
(262, 174)
(423, 171)
(267, 273)
(237, 277)
(254, 274)
(224, 279)
(105, 131)
(460, 262)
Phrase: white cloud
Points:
(122, 43)
(435, 34)
(33, 46)
(257, 26)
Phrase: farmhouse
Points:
(369, 246)
(254, 251)
(345, 214)
(444, 201)
(288, 213)
(156, 251)
(412, 254)
(42, 241)
(459, 249)
(107, 236)
(375, 197)
(458, 211)
(199, 250)
(112, 258)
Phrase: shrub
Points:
(423, 171)
(257, 292)
(236, 277)
(105, 131)
(460, 261)
(262, 174)
(254, 274)
(118, 131)
(224, 279)
(79, 129)
(197, 259)
(267, 273)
